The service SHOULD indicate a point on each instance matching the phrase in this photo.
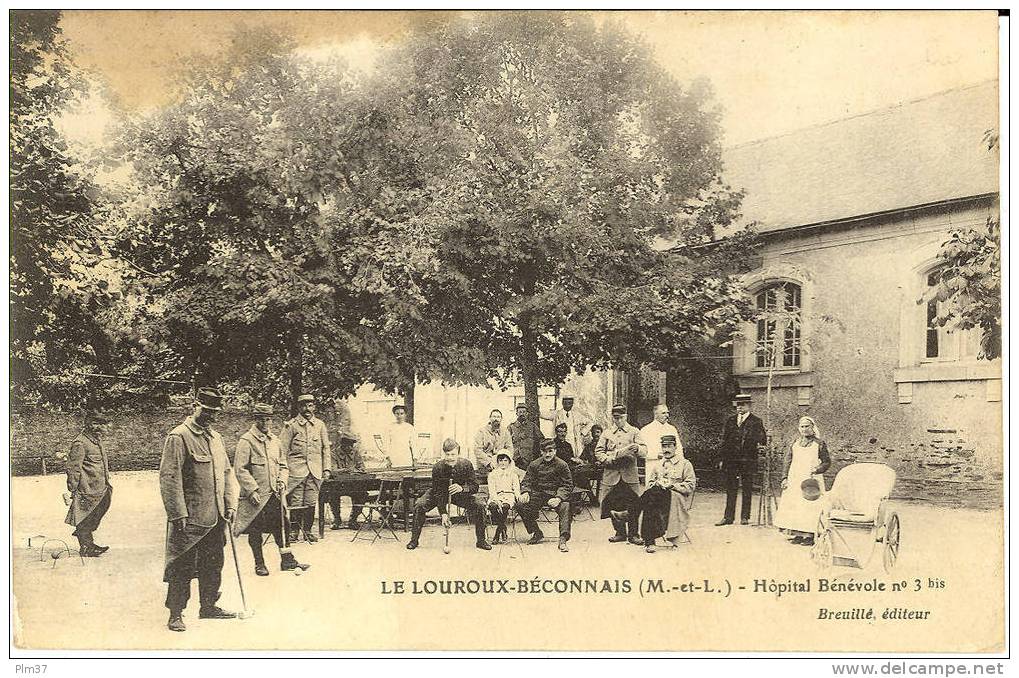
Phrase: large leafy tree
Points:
(63, 282)
(558, 152)
(280, 240)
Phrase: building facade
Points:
(852, 215)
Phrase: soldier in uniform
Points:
(262, 474)
(200, 494)
(305, 442)
(88, 482)
(618, 451)
(347, 459)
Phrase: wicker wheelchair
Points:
(857, 504)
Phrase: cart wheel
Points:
(891, 552)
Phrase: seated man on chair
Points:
(666, 502)
(453, 482)
(581, 470)
(347, 459)
(547, 482)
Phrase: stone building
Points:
(852, 214)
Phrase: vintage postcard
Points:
(506, 331)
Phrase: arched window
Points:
(779, 326)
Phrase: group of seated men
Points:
(549, 481)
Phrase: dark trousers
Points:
(500, 512)
(268, 520)
(734, 479)
(529, 514)
(358, 499)
(83, 530)
(204, 560)
(630, 525)
(468, 502)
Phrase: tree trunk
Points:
(529, 372)
(407, 391)
(295, 369)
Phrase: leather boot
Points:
(289, 562)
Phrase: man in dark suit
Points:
(741, 436)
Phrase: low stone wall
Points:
(940, 470)
(134, 442)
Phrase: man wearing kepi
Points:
(347, 459)
(262, 474)
(742, 434)
(453, 482)
(526, 436)
(88, 482)
(618, 451)
(665, 504)
(200, 495)
(547, 482)
(577, 424)
(305, 442)
(652, 433)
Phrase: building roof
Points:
(916, 153)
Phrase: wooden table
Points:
(342, 484)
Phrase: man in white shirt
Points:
(400, 439)
(652, 435)
(577, 424)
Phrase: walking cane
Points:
(245, 613)
(445, 549)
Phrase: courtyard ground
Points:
(953, 556)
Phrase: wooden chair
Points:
(379, 512)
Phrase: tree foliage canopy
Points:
(62, 278)
(492, 202)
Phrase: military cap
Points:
(742, 398)
(547, 444)
(96, 416)
(305, 398)
(619, 408)
(668, 439)
(261, 410)
(210, 398)
(348, 435)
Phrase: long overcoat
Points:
(260, 466)
(196, 482)
(88, 478)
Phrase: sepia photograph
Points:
(515, 331)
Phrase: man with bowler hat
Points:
(88, 482)
(262, 474)
(200, 495)
(741, 436)
(305, 443)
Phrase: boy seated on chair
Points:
(453, 482)
(503, 492)
(547, 483)
(666, 502)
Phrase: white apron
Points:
(795, 512)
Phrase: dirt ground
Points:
(953, 556)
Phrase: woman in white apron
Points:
(806, 458)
